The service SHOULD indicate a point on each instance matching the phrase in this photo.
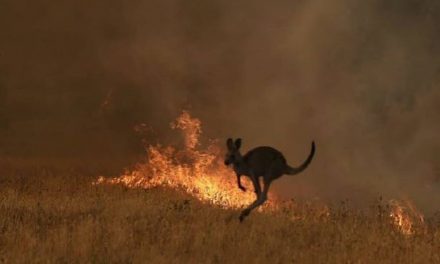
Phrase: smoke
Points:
(359, 78)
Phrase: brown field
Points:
(50, 214)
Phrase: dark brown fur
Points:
(265, 162)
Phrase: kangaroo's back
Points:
(265, 160)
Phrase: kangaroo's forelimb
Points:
(239, 183)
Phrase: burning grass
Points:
(406, 217)
(199, 172)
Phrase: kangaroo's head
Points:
(233, 154)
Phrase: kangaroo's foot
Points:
(243, 214)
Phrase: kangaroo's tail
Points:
(293, 171)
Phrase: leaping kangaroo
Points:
(265, 162)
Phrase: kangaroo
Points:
(265, 162)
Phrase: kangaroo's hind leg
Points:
(257, 187)
(261, 198)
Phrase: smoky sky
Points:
(358, 77)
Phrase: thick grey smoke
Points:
(358, 77)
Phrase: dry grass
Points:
(56, 215)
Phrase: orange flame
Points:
(199, 172)
(405, 216)
(202, 174)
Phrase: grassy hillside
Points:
(50, 214)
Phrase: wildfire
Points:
(200, 172)
(405, 216)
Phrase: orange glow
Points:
(199, 172)
(202, 174)
(405, 216)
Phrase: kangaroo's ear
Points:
(230, 143)
(238, 143)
